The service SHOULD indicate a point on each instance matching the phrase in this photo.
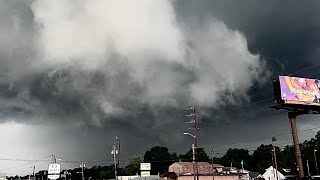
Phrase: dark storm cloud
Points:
(58, 86)
(133, 80)
(284, 31)
(286, 34)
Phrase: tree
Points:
(134, 165)
(188, 156)
(262, 158)
(107, 172)
(160, 159)
(236, 156)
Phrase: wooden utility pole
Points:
(275, 156)
(292, 117)
(196, 139)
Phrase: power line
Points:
(263, 84)
(228, 110)
(151, 130)
(243, 120)
(24, 164)
(257, 139)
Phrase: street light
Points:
(212, 154)
(185, 133)
(315, 159)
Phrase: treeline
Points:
(160, 158)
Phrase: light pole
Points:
(212, 163)
(185, 133)
(114, 152)
(315, 159)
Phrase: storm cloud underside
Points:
(93, 70)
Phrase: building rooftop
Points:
(202, 167)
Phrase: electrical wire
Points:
(296, 72)
(261, 138)
(228, 110)
(221, 124)
(25, 163)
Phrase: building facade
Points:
(203, 171)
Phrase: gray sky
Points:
(75, 74)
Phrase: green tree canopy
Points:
(160, 159)
(202, 156)
(262, 158)
(236, 156)
(134, 166)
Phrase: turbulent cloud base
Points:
(98, 59)
(115, 68)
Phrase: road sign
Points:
(145, 173)
(145, 166)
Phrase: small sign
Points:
(54, 171)
(53, 176)
(145, 166)
(145, 173)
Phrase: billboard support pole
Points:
(292, 117)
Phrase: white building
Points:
(271, 174)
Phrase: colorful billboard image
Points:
(295, 90)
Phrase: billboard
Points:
(296, 90)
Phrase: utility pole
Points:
(65, 175)
(275, 156)
(30, 171)
(242, 165)
(272, 158)
(82, 165)
(54, 160)
(195, 128)
(308, 167)
(292, 117)
(315, 159)
(196, 139)
(34, 168)
(119, 142)
(114, 152)
(194, 162)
